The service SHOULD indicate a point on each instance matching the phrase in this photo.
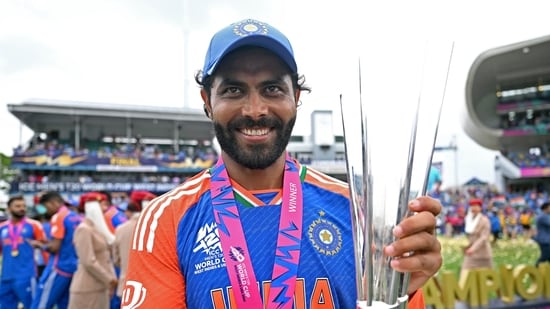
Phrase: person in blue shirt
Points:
(113, 216)
(543, 233)
(496, 228)
(53, 288)
(433, 178)
(19, 236)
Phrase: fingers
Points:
(422, 264)
(420, 222)
(425, 203)
(427, 261)
(418, 243)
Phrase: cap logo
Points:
(249, 26)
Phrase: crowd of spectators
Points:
(55, 148)
(533, 157)
(512, 214)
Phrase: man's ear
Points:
(297, 96)
(206, 107)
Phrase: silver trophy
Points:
(390, 126)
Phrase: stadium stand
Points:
(84, 146)
(508, 109)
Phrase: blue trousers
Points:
(53, 289)
(17, 290)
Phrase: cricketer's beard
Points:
(258, 156)
(18, 215)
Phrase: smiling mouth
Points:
(255, 132)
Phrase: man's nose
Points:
(255, 106)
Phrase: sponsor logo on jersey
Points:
(325, 236)
(207, 243)
(133, 295)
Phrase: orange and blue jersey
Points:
(63, 225)
(176, 257)
(42, 257)
(22, 264)
(114, 217)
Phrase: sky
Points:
(143, 52)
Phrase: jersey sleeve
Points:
(38, 231)
(417, 300)
(154, 278)
(58, 226)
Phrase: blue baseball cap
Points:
(248, 32)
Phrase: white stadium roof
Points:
(91, 119)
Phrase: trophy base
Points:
(376, 305)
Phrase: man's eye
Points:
(232, 90)
(273, 89)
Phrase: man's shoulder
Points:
(33, 222)
(179, 199)
(323, 181)
(160, 218)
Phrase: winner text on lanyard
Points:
(14, 231)
(235, 250)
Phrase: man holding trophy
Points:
(260, 230)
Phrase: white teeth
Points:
(255, 132)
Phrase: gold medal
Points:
(14, 252)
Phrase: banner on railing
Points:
(77, 187)
(112, 163)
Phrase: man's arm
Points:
(53, 245)
(154, 278)
(57, 232)
(39, 236)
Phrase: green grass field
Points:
(505, 251)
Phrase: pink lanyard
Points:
(235, 250)
(14, 231)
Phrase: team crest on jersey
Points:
(207, 244)
(325, 236)
(4, 233)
